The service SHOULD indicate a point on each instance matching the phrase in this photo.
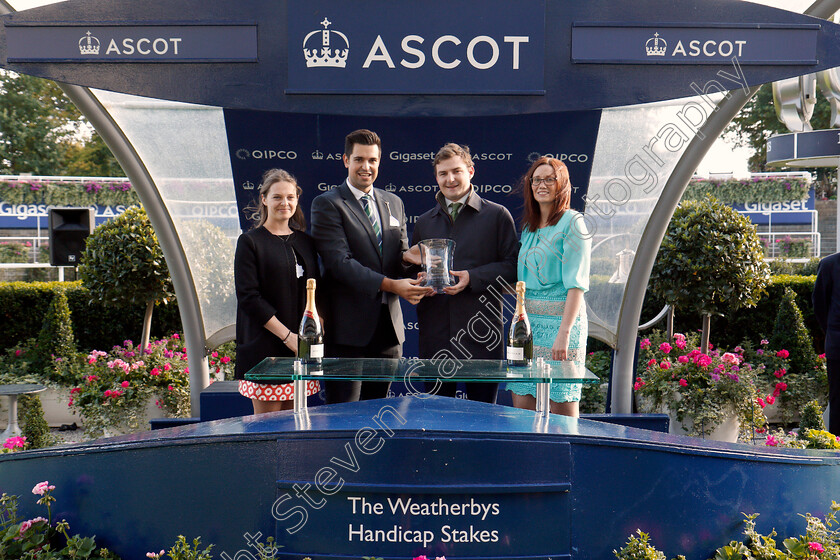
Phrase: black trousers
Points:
(384, 344)
(833, 368)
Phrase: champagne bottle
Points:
(520, 343)
(310, 333)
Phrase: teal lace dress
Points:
(552, 260)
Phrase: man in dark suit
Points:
(466, 322)
(360, 233)
(826, 300)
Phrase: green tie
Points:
(454, 208)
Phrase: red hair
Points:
(531, 213)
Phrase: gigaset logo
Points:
(482, 51)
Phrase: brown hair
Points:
(362, 136)
(270, 177)
(451, 150)
(531, 212)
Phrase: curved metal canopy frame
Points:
(170, 243)
(629, 315)
(621, 391)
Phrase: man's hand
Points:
(406, 288)
(412, 256)
(463, 277)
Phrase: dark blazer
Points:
(486, 246)
(826, 300)
(266, 286)
(353, 266)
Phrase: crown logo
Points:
(323, 54)
(317, 155)
(88, 44)
(391, 187)
(653, 48)
(248, 186)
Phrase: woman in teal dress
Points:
(554, 264)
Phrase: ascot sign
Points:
(502, 52)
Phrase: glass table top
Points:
(282, 370)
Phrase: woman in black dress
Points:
(272, 264)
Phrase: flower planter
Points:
(725, 431)
(774, 414)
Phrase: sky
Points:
(723, 157)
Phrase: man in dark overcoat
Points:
(465, 322)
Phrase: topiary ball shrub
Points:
(710, 261)
(123, 264)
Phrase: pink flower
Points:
(816, 547)
(91, 360)
(423, 557)
(176, 336)
(155, 371)
(75, 390)
(14, 442)
(155, 555)
(665, 365)
(782, 353)
(91, 378)
(125, 384)
(777, 392)
(780, 372)
(682, 359)
(770, 399)
(702, 360)
(107, 393)
(760, 351)
(771, 441)
(645, 343)
(225, 359)
(821, 356)
(683, 383)
(665, 347)
(679, 337)
(760, 402)
(18, 352)
(42, 487)
(651, 362)
(214, 354)
(781, 386)
(679, 343)
(171, 388)
(764, 342)
(166, 366)
(730, 358)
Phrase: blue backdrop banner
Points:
(310, 147)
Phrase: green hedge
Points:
(741, 191)
(755, 322)
(23, 306)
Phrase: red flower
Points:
(782, 353)
(683, 383)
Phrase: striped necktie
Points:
(367, 203)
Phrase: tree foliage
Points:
(710, 260)
(42, 132)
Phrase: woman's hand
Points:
(560, 348)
